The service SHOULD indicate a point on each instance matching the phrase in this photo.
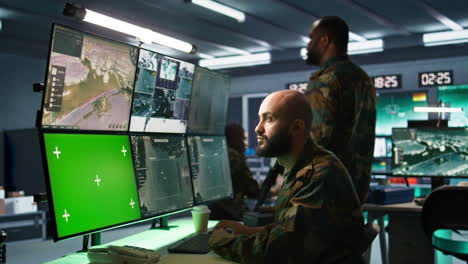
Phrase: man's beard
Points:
(275, 146)
(312, 59)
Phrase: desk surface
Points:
(399, 207)
(158, 240)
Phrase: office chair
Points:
(446, 209)
(364, 243)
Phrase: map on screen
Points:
(89, 82)
(162, 94)
(163, 173)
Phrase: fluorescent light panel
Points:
(222, 9)
(356, 37)
(445, 38)
(143, 34)
(369, 46)
(237, 61)
(205, 56)
(438, 109)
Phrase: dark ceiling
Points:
(278, 26)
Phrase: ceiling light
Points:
(142, 34)
(205, 56)
(237, 61)
(369, 46)
(356, 37)
(222, 9)
(438, 109)
(445, 38)
(0, 25)
(304, 53)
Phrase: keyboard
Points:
(194, 244)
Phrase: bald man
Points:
(318, 216)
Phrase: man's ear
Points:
(298, 126)
(324, 40)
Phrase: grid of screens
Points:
(454, 96)
(89, 82)
(162, 171)
(395, 109)
(92, 181)
(210, 167)
(162, 94)
(383, 147)
(208, 110)
(430, 152)
(125, 153)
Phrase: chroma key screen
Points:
(92, 181)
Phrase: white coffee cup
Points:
(200, 215)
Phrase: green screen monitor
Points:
(395, 109)
(163, 173)
(91, 182)
(430, 152)
(209, 163)
(89, 83)
(454, 96)
(209, 100)
(162, 94)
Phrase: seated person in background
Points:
(318, 214)
(243, 183)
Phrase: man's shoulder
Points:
(323, 162)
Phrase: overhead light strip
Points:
(356, 37)
(438, 109)
(222, 9)
(237, 61)
(369, 46)
(445, 38)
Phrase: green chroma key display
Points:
(92, 181)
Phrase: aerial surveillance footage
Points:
(101, 193)
(162, 173)
(89, 82)
(162, 94)
(430, 152)
(210, 167)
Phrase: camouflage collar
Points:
(303, 164)
(328, 63)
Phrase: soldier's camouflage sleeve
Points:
(320, 93)
(314, 208)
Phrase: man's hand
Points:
(236, 228)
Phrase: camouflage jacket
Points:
(343, 101)
(318, 217)
(243, 184)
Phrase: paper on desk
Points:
(192, 259)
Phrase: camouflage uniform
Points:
(318, 217)
(343, 101)
(243, 184)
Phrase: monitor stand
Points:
(95, 241)
(161, 223)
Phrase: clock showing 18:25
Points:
(435, 78)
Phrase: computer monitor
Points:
(89, 83)
(91, 182)
(395, 109)
(454, 96)
(163, 173)
(209, 164)
(210, 95)
(383, 147)
(430, 152)
(162, 94)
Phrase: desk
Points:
(37, 219)
(407, 241)
(157, 239)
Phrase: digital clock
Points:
(435, 78)
(387, 81)
(298, 86)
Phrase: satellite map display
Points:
(162, 173)
(210, 168)
(89, 82)
(92, 181)
(430, 152)
(209, 102)
(395, 109)
(454, 96)
(162, 94)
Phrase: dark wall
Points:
(234, 111)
